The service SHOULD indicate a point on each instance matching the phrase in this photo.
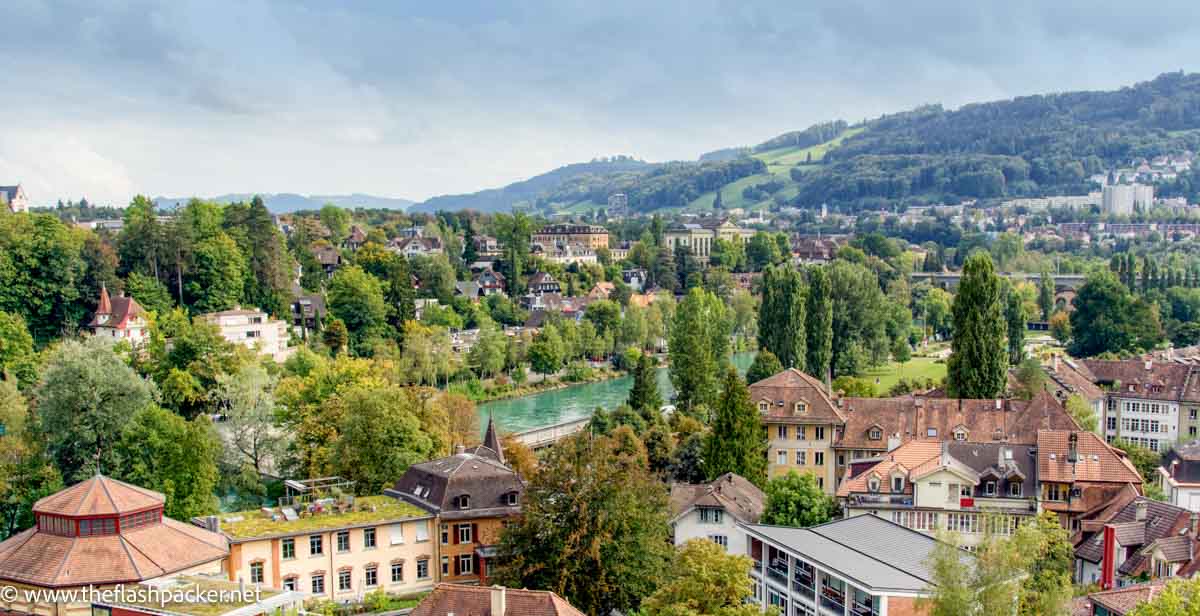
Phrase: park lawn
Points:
(918, 367)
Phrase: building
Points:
(472, 494)
(1122, 199)
(971, 488)
(557, 236)
(1179, 476)
(464, 600)
(566, 255)
(490, 282)
(1144, 399)
(814, 250)
(1134, 538)
(119, 318)
(864, 565)
(1066, 377)
(355, 239)
(542, 282)
(329, 258)
(416, 246)
(1078, 473)
(253, 329)
(101, 532)
(702, 236)
(308, 312)
(486, 246)
(1119, 601)
(171, 600)
(636, 278)
(14, 198)
(336, 548)
(714, 511)
(802, 423)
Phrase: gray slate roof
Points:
(872, 553)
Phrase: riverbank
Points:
(480, 392)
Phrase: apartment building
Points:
(336, 548)
(862, 565)
(1149, 403)
(802, 423)
(714, 510)
(588, 237)
(1179, 476)
(253, 329)
(1078, 473)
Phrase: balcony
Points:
(778, 572)
(803, 584)
(898, 500)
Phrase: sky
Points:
(111, 98)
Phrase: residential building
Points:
(472, 494)
(329, 258)
(119, 318)
(863, 565)
(802, 423)
(1134, 538)
(490, 282)
(588, 237)
(566, 254)
(253, 329)
(1066, 377)
(714, 511)
(701, 236)
(974, 489)
(542, 282)
(464, 600)
(308, 312)
(1078, 473)
(1179, 476)
(1122, 199)
(14, 198)
(815, 250)
(1118, 601)
(636, 278)
(1143, 401)
(416, 246)
(336, 548)
(96, 533)
(486, 246)
(355, 239)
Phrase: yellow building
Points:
(338, 549)
(591, 237)
(702, 236)
(802, 423)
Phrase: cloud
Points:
(414, 98)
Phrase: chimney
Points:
(498, 601)
(1108, 564)
(1149, 365)
(999, 404)
(1073, 447)
(460, 449)
(1194, 524)
(1139, 511)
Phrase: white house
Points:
(1179, 476)
(13, 197)
(253, 329)
(714, 510)
(119, 318)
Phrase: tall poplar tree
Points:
(737, 442)
(1014, 318)
(978, 359)
(644, 396)
(819, 326)
(699, 349)
(781, 322)
(1045, 298)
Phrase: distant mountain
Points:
(526, 192)
(283, 203)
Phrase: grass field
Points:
(784, 159)
(918, 367)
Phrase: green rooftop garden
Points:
(367, 509)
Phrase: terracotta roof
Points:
(914, 417)
(905, 457)
(783, 390)
(1097, 461)
(1073, 377)
(462, 600)
(733, 493)
(118, 310)
(98, 496)
(1162, 381)
(1121, 601)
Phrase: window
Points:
(510, 499)
(1191, 430)
(960, 435)
(781, 457)
(720, 540)
(344, 579)
(343, 541)
(1014, 488)
(288, 547)
(372, 577)
(1192, 414)
(466, 564)
(819, 433)
(1055, 492)
(256, 573)
(368, 538)
(799, 433)
(875, 434)
(931, 432)
(464, 533)
(989, 488)
(1112, 423)
(898, 483)
(422, 532)
(821, 482)
(423, 569)
(315, 545)
(397, 573)
(819, 458)
(873, 484)
(711, 515)
(445, 566)
(102, 526)
(841, 460)
(801, 456)
(289, 583)
(764, 406)
(254, 333)
(318, 584)
(781, 432)
(464, 501)
(445, 534)
(800, 407)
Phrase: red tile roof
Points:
(782, 391)
(1123, 600)
(1096, 461)
(98, 496)
(462, 600)
(730, 491)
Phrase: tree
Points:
(965, 585)
(85, 398)
(644, 396)
(337, 221)
(1045, 295)
(703, 581)
(356, 298)
(604, 314)
(151, 294)
(218, 277)
(1030, 379)
(546, 352)
(1045, 548)
(1014, 318)
(592, 529)
(381, 436)
(737, 442)
(513, 232)
(1082, 413)
(699, 349)
(1108, 318)
(40, 274)
(269, 267)
(335, 337)
(1181, 597)
(762, 251)
(427, 357)
(765, 365)
(162, 451)
(977, 365)
(1144, 459)
(1060, 327)
(247, 401)
(781, 316)
(860, 315)
(819, 325)
(25, 472)
(936, 310)
(519, 456)
(687, 461)
(396, 276)
(17, 358)
(854, 387)
(796, 500)
(486, 357)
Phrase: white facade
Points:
(712, 523)
(1153, 424)
(1120, 199)
(255, 330)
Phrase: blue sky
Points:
(108, 98)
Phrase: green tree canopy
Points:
(737, 442)
(977, 366)
(796, 500)
(356, 298)
(819, 325)
(781, 316)
(162, 451)
(703, 581)
(17, 358)
(644, 396)
(765, 365)
(1108, 318)
(699, 349)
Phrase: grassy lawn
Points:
(785, 158)
(918, 367)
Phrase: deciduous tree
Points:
(796, 500)
(781, 316)
(765, 365)
(978, 361)
(162, 451)
(704, 581)
(819, 325)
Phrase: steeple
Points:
(105, 306)
(491, 439)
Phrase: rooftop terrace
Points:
(365, 511)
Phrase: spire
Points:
(491, 439)
(105, 306)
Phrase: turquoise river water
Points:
(575, 402)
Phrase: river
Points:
(575, 402)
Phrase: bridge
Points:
(949, 280)
(539, 438)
